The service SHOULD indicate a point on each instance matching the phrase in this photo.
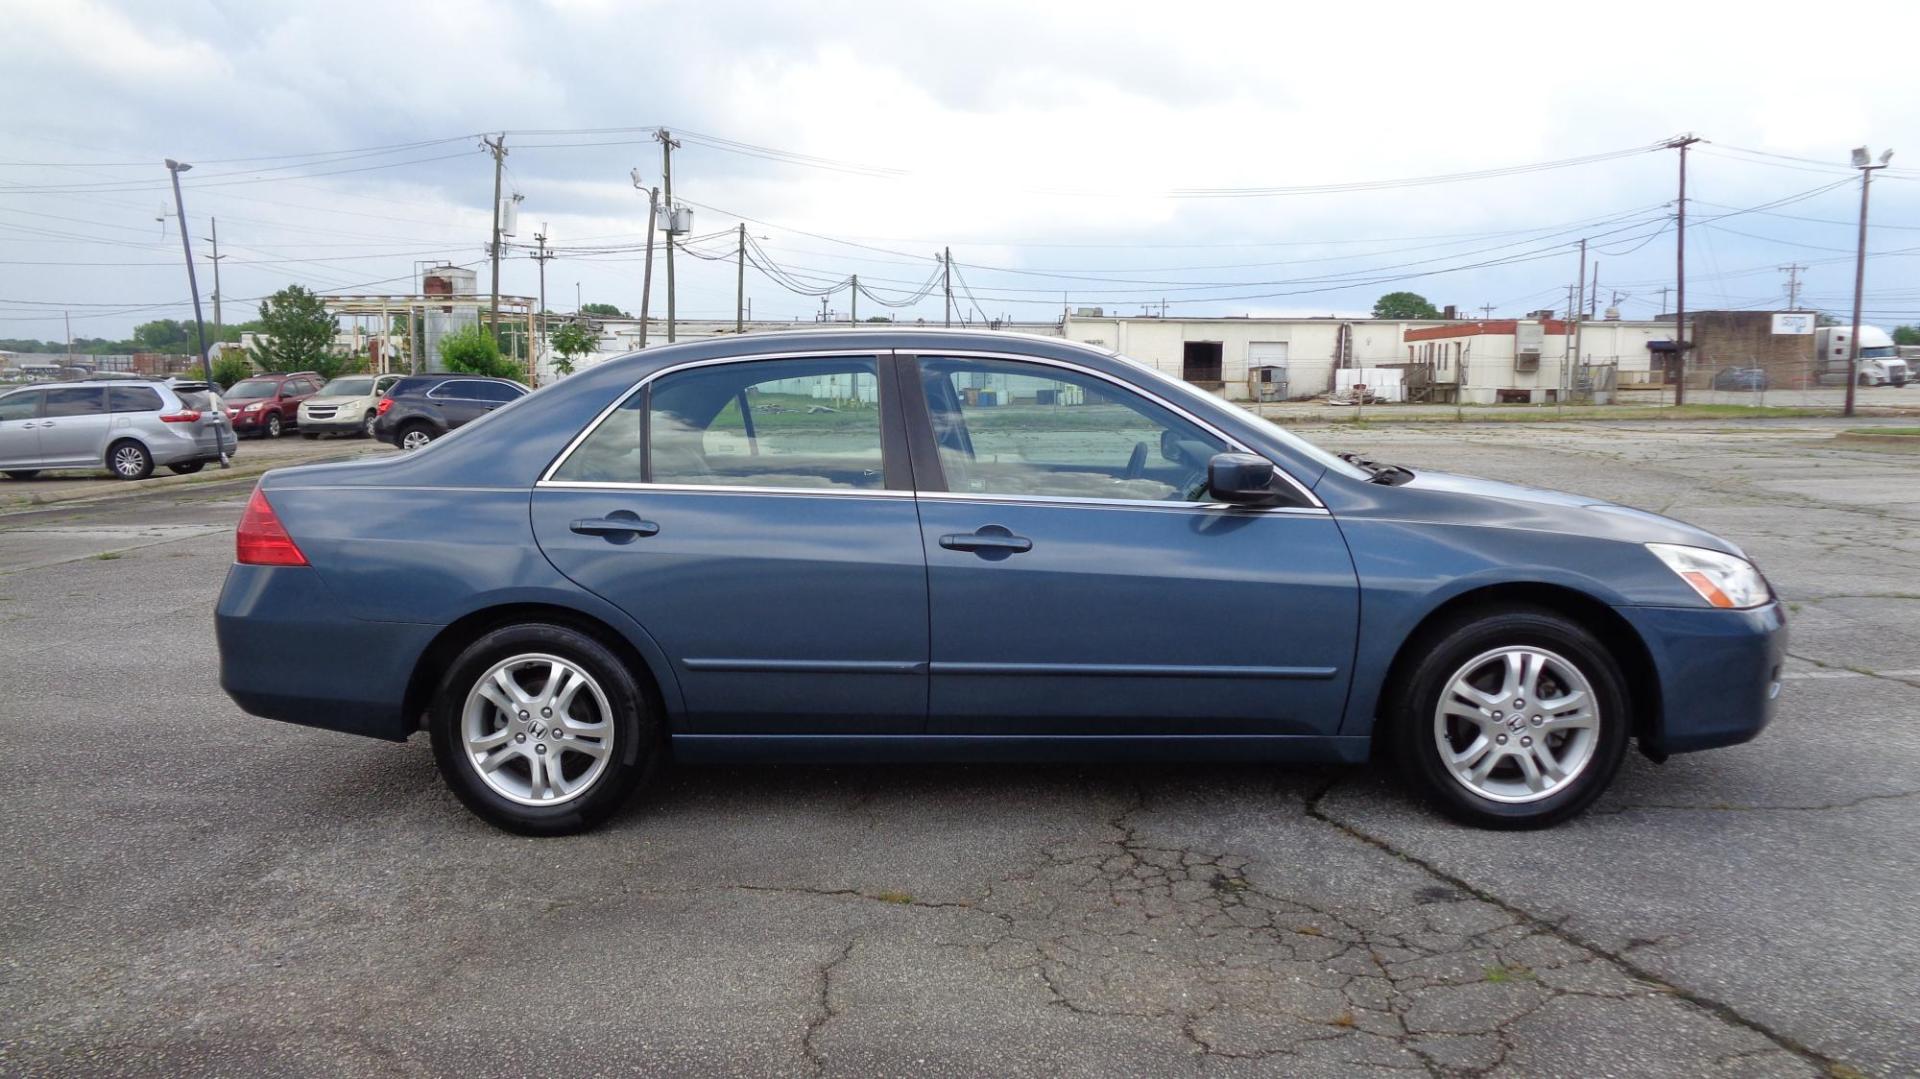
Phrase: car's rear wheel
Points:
(274, 427)
(415, 435)
(1512, 719)
(129, 460)
(22, 473)
(187, 468)
(540, 729)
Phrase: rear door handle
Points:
(620, 526)
(987, 540)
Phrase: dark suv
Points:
(269, 404)
(421, 408)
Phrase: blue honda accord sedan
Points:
(920, 545)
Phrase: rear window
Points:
(133, 399)
(199, 400)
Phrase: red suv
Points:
(269, 404)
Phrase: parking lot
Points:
(191, 890)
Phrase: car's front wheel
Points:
(371, 416)
(1513, 719)
(274, 428)
(541, 729)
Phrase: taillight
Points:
(261, 540)
(385, 403)
(183, 416)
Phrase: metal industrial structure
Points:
(411, 325)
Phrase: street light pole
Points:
(1864, 162)
(175, 168)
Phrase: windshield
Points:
(347, 387)
(1878, 352)
(250, 389)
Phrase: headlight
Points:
(251, 408)
(1721, 579)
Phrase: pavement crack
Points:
(1719, 1009)
(824, 1011)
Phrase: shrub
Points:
(230, 368)
(473, 351)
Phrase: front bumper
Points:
(289, 652)
(356, 425)
(1718, 672)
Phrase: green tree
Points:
(1906, 335)
(570, 342)
(297, 333)
(473, 351)
(604, 310)
(231, 367)
(1404, 305)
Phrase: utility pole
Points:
(541, 256)
(214, 223)
(1792, 271)
(740, 283)
(946, 275)
(1578, 323)
(186, 248)
(1680, 278)
(497, 146)
(667, 145)
(1593, 305)
(1486, 310)
(853, 302)
(1862, 161)
(646, 279)
(68, 315)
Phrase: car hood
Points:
(352, 400)
(1511, 505)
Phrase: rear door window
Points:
(77, 401)
(494, 391)
(132, 399)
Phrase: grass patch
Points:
(1384, 414)
(1499, 975)
(1898, 432)
(902, 898)
(107, 556)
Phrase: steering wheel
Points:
(1137, 462)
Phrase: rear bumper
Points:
(1719, 673)
(287, 653)
(201, 446)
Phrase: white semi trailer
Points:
(1880, 362)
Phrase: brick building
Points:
(1723, 339)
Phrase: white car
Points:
(345, 406)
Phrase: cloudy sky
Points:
(1222, 158)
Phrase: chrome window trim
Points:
(546, 478)
(719, 488)
(1313, 501)
(1315, 507)
(435, 394)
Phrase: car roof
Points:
(90, 383)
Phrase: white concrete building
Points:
(1527, 360)
(1222, 353)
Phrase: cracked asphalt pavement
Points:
(188, 890)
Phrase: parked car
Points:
(345, 406)
(269, 405)
(126, 426)
(421, 408)
(967, 545)
(1748, 379)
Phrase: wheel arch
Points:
(447, 645)
(1619, 637)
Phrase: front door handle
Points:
(988, 541)
(620, 526)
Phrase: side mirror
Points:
(1241, 478)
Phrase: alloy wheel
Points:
(130, 462)
(537, 729)
(415, 439)
(1517, 724)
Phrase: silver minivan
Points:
(126, 426)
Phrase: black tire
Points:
(1445, 651)
(367, 428)
(22, 473)
(275, 428)
(635, 753)
(188, 468)
(1866, 380)
(129, 460)
(424, 432)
